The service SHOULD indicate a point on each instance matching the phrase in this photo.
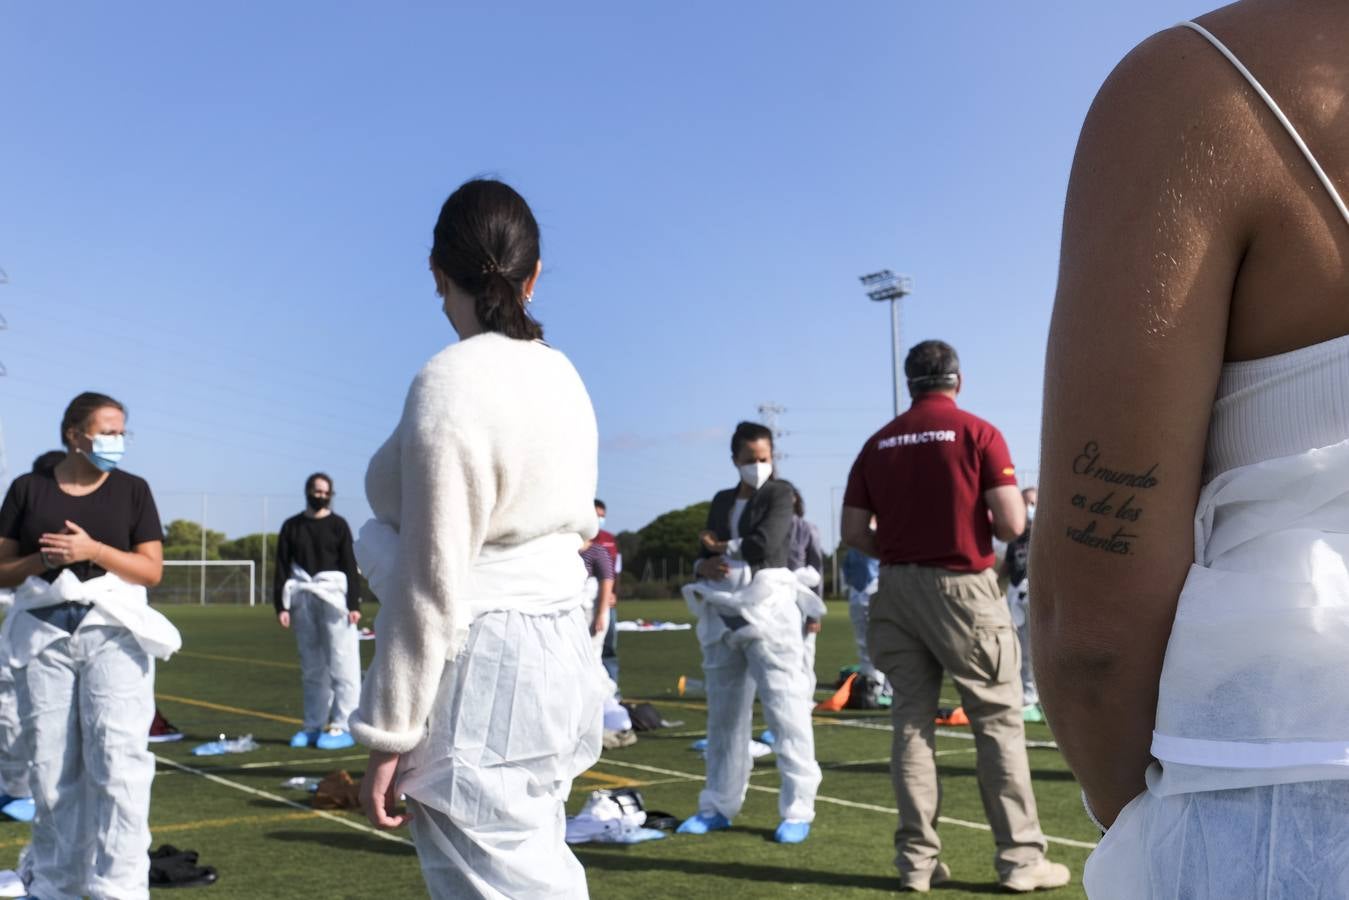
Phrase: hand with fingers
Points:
(713, 568)
(70, 546)
(379, 791)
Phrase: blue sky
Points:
(220, 213)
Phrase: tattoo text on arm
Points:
(1105, 513)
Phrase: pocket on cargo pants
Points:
(994, 655)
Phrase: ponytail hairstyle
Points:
(82, 409)
(48, 461)
(748, 433)
(487, 242)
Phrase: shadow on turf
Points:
(613, 859)
(343, 841)
(1035, 774)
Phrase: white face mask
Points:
(756, 474)
(1030, 512)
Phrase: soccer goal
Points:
(206, 581)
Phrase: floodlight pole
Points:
(886, 285)
(896, 367)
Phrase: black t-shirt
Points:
(121, 514)
(316, 545)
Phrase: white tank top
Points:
(1253, 687)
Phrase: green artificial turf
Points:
(238, 674)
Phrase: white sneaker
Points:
(1038, 876)
(922, 884)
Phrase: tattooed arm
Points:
(1151, 245)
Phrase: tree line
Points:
(657, 557)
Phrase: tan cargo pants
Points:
(924, 621)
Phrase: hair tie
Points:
(490, 267)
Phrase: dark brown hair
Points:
(82, 409)
(487, 242)
(318, 476)
(931, 366)
(748, 433)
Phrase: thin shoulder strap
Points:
(1278, 114)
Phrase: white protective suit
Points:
(13, 755)
(859, 613)
(812, 607)
(329, 645)
(1250, 797)
(765, 654)
(487, 785)
(592, 594)
(1018, 602)
(86, 701)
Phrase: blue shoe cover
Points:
(20, 809)
(702, 824)
(335, 740)
(304, 739)
(791, 832)
(768, 738)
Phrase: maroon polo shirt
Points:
(924, 476)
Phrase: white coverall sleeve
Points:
(448, 491)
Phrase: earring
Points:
(529, 298)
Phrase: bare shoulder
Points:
(1169, 109)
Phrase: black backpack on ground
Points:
(645, 717)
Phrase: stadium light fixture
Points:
(885, 286)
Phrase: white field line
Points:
(941, 732)
(275, 798)
(764, 770)
(302, 762)
(283, 763)
(886, 760)
(836, 801)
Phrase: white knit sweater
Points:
(497, 447)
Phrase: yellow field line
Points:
(201, 824)
(238, 711)
(239, 659)
(233, 820)
(607, 780)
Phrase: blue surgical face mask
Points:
(601, 521)
(107, 451)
